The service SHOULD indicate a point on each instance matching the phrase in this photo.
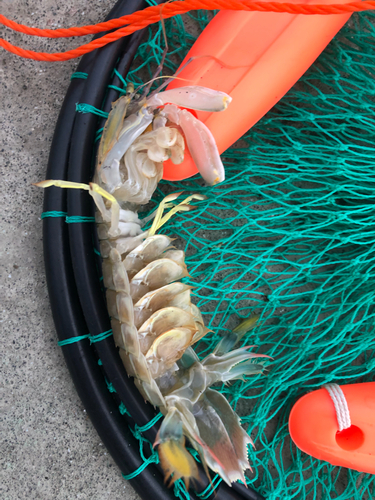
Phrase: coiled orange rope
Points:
(150, 15)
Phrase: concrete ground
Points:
(49, 448)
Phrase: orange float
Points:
(313, 426)
(261, 56)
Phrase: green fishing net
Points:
(289, 236)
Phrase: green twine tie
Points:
(79, 74)
(98, 134)
(74, 219)
(123, 410)
(92, 338)
(72, 340)
(52, 213)
(87, 108)
(69, 219)
(100, 336)
(110, 386)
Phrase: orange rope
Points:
(90, 29)
(150, 15)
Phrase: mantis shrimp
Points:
(153, 320)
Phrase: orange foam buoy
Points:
(262, 55)
(313, 426)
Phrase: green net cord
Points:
(290, 235)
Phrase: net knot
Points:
(304, 346)
(356, 262)
(110, 387)
(138, 430)
(345, 239)
(123, 410)
(341, 216)
(273, 300)
(370, 365)
(318, 363)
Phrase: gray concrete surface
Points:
(49, 448)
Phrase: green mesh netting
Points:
(290, 235)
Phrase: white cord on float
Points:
(341, 406)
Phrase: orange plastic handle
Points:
(314, 429)
(263, 55)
